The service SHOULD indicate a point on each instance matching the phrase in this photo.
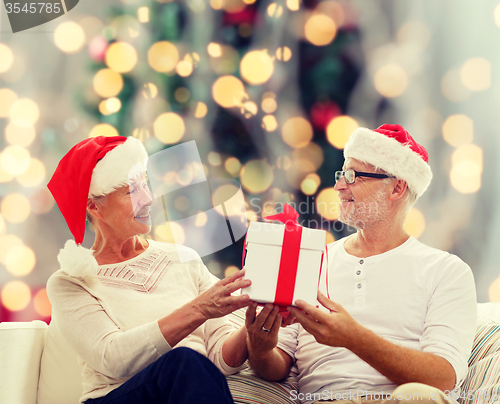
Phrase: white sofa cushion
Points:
(21, 346)
(60, 375)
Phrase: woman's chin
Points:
(144, 226)
(147, 229)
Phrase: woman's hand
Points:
(262, 328)
(218, 301)
(265, 358)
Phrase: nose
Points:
(340, 184)
(147, 197)
(144, 197)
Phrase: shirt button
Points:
(359, 285)
(358, 272)
(361, 261)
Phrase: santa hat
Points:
(93, 167)
(391, 148)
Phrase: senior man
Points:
(401, 319)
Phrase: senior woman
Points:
(127, 302)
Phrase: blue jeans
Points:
(181, 376)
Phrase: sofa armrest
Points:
(21, 347)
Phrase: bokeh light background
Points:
(270, 91)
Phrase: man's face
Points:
(364, 202)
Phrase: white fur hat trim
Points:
(117, 166)
(78, 261)
(395, 158)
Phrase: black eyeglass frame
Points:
(340, 174)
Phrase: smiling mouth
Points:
(346, 200)
(143, 216)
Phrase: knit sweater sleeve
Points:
(95, 338)
(217, 330)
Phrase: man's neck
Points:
(369, 242)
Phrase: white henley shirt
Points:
(415, 296)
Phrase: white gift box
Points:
(264, 245)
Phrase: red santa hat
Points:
(93, 167)
(392, 149)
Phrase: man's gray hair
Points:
(411, 195)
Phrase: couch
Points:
(38, 367)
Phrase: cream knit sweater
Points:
(112, 321)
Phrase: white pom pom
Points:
(78, 261)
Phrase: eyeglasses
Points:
(351, 175)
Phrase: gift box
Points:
(283, 261)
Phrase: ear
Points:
(92, 208)
(398, 190)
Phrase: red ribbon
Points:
(289, 255)
(321, 270)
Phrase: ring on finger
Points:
(265, 329)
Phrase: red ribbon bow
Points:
(289, 214)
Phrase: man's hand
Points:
(262, 329)
(399, 364)
(218, 300)
(334, 329)
(288, 319)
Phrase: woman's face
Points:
(126, 212)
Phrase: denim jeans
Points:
(181, 376)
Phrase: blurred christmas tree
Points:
(263, 88)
